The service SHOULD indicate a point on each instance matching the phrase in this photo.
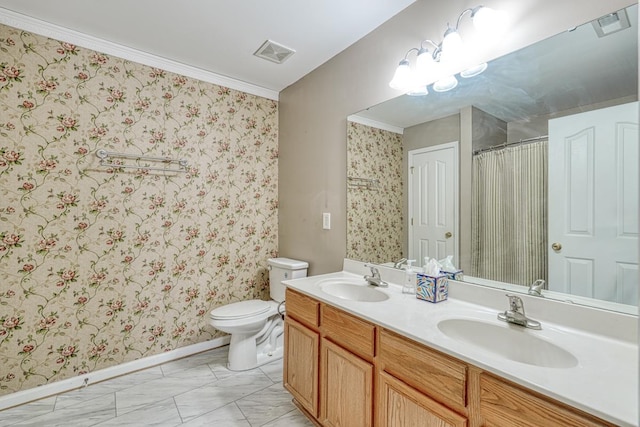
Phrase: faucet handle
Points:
(374, 271)
(536, 288)
(515, 303)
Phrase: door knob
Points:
(556, 246)
(448, 234)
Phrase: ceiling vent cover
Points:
(611, 23)
(274, 52)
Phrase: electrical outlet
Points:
(326, 221)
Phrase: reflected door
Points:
(433, 202)
(593, 204)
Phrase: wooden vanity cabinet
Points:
(344, 371)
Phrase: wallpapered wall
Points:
(103, 266)
(375, 224)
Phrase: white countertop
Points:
(604, 382)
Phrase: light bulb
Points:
(402, 77)
(424, 61)
(445, 84)
(452, 48)
(474, 71)
(419, 91)
(425, 67)
(489, 21)
(452, 43)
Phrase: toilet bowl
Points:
(256, 326)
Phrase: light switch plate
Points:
(326, 221)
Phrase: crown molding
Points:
(375, 124)
(27, 23)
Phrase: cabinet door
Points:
(402, 406)
(347, 388)
(301, 364)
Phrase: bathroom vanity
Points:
(356, 358)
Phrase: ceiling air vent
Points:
(274, 52)
(611, 23)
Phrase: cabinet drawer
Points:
(441, 377)
(302, 308)
(504, 404)
(350, 332)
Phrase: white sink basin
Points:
(508, 341)
(352, 290)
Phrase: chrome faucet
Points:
(398, 264)
(536, 288)
(375, 278)
(516, 315)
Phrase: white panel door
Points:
(433, 202)
(593, 204)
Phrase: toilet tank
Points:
(284, 269)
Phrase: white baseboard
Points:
(24, 396)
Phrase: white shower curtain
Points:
(509, 214)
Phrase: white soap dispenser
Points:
(410, 277)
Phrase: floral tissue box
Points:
(432, 289)
(454, 275)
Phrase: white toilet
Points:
(256, 326)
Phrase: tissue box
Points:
(432, 288)
(454, 275)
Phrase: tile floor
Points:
(195, 391)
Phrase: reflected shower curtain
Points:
(509, 214)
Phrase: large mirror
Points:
(506, 170)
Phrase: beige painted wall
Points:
(313, 111)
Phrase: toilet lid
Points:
(240, 309)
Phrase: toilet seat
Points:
(240, 310)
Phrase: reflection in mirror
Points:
(541, 177)
(374, 213)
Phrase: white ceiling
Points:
(218, 36)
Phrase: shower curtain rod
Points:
(505, 144)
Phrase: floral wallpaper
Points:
(102, 266)
(375, 224)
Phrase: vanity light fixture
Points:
(419, 91)
(445, 84)
(473, 71)
(432, 65)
